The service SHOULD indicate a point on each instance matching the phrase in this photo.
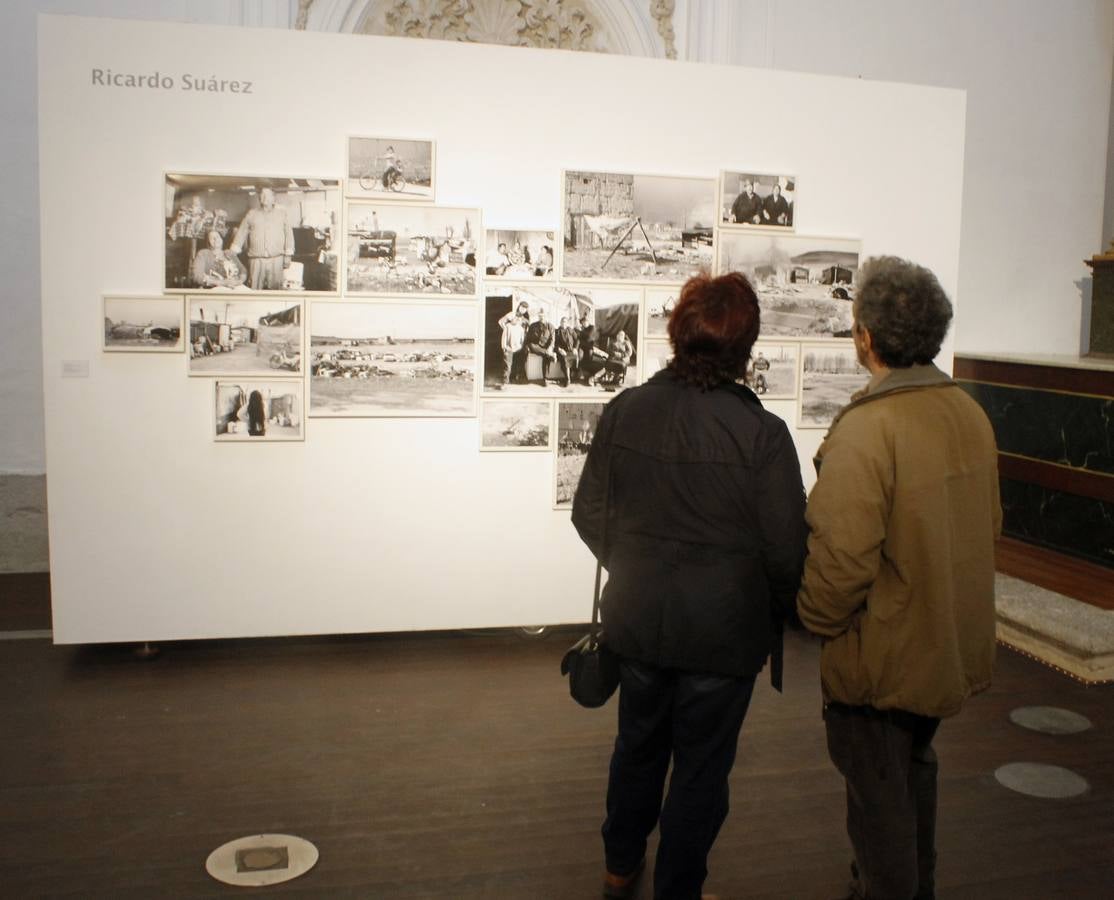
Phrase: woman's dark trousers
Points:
(695, 719)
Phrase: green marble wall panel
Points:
(1069, 429)
(1078, 526)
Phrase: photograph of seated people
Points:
(519, 254)
(547, 338)
(762, 200)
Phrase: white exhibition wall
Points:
(159, 533)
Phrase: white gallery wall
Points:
(159, 533)
(1037, 76)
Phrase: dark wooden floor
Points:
(456, 766)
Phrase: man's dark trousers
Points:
(695, 718)
(887, 760)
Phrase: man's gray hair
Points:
(905, 310)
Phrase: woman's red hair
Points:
(713, 328)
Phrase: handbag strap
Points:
(596, 629)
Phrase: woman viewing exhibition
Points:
(692, 498)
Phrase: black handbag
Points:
(593, 670)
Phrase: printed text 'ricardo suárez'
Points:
(160, 81)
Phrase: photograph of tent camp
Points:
(648, 228)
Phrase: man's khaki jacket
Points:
(900, 571)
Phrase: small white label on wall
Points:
(75, 368)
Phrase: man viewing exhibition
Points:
(702, 570)
(899, 579)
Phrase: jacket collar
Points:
(666, 376)
(913, 378)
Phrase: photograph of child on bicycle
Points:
(390, 168)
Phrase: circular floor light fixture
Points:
(1040, 780)
(1050, 720)
(261, 859)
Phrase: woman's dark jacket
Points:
(706, 533)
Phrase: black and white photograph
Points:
(519, 255)
(805, 285)
(647, 228)
(655, 357)
(578, 339)
(753, 200)
(830, 374)
(392, 359)
(412, 251)
(390, 168)
(576, 426)
(659, 307)
(142, 324)
(515, 424)
(243, 233)
(231, 336)
(251, 410)
(773, 370)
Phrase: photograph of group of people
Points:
(578, 339)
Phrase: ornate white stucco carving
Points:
(636, 27)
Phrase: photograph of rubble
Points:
(230, 336)
(142, 324)
(390, 359)
(390, 169)
(259, 410)
(246, 233)
(830, 374)
(805, 285)
(577, 339)
(515, 424)
(576, 426)
(647, 228)
(412, 251)
(752, 200)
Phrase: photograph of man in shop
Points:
(899, 578)
(270, 242)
